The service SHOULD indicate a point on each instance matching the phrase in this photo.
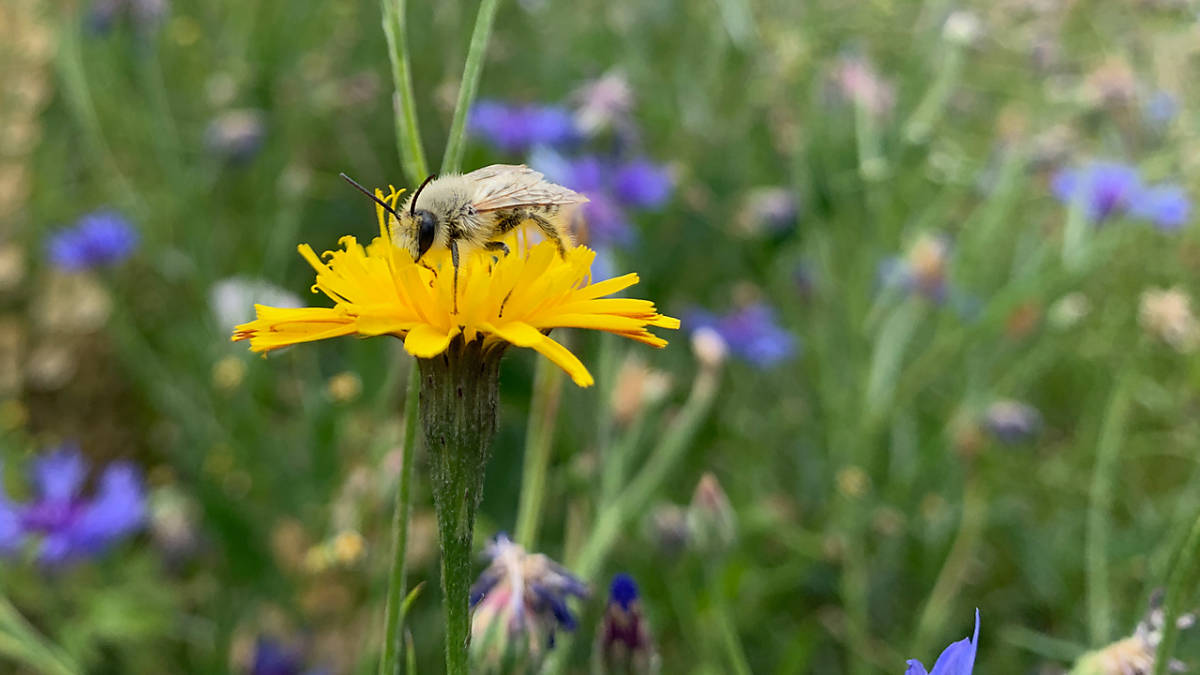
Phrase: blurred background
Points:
(942, 254)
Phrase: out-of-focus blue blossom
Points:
(1166, 206)
(922, 269)
(1105, 188)
(520, 600)
(957, 659)
(613, 187)
(751, 333)
(98, 238)
(64, 524)
(642, 184)
(623, 641)
(1161, 108)
(767, 210)
(145, 14)
(236, 135)
(1012, 421)
(516, 129)
(273, 657)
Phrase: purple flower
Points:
(957, 659)
(516, 129)
(642, 184)
(65, 524)
(922, 269)
(613, 188)
(524, 593)
(98, 238)
(1105, 188)
(1012, 421)
(1167, 206)
(750, 333)
(623, 640)
(273, 657)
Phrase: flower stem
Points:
(452, 160)
(1182, 576)
(408, 135)
(1108, 447)
(539, 436)
(954, 569)
(393, 627)
(459, 395)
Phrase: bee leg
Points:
(497, 246)
(454, 260)
(552, 233)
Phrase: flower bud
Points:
(711, 520)
(623, 640)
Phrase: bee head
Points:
(423, 221)
(426, 226)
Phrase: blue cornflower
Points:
(751, 333)
(1161, 108)
(614, 187)
(1167, 206)
(525, 594)
(98, 238)
(957, 659)
(642, 184)
(273, 657)
(1106, 188)
(65, 524)
(623, 640)
(516, 129)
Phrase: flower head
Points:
(64, 524)
(751, 333)
(236, 135)
(957, 659)
(1012, 421)
(521, 599)
(516, 129)
(613, 187)
(623, 641)
(274, 657)
(1105, 188)
(1166, 314)
(508, 299)
(1136, 653)
(98, 238)
(1166, 206)
(922, 269)
(604, 103)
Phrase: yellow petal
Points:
(425, 341)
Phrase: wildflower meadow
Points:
(514, 336)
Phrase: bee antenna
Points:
(366, 192)
(412, 208)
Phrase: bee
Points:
(472, 211)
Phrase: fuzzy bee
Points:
(471, 211)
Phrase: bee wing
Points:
(506, 186)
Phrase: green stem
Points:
(613, 519)
(730, 641)
(929, 111)
(539, 437)
(452, 160)
(1108, 449)
(408, 134)
(393, 627)
(954, 569)
(1181, 577)
(21, 641)
(459, 397)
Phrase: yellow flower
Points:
(510, 299)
